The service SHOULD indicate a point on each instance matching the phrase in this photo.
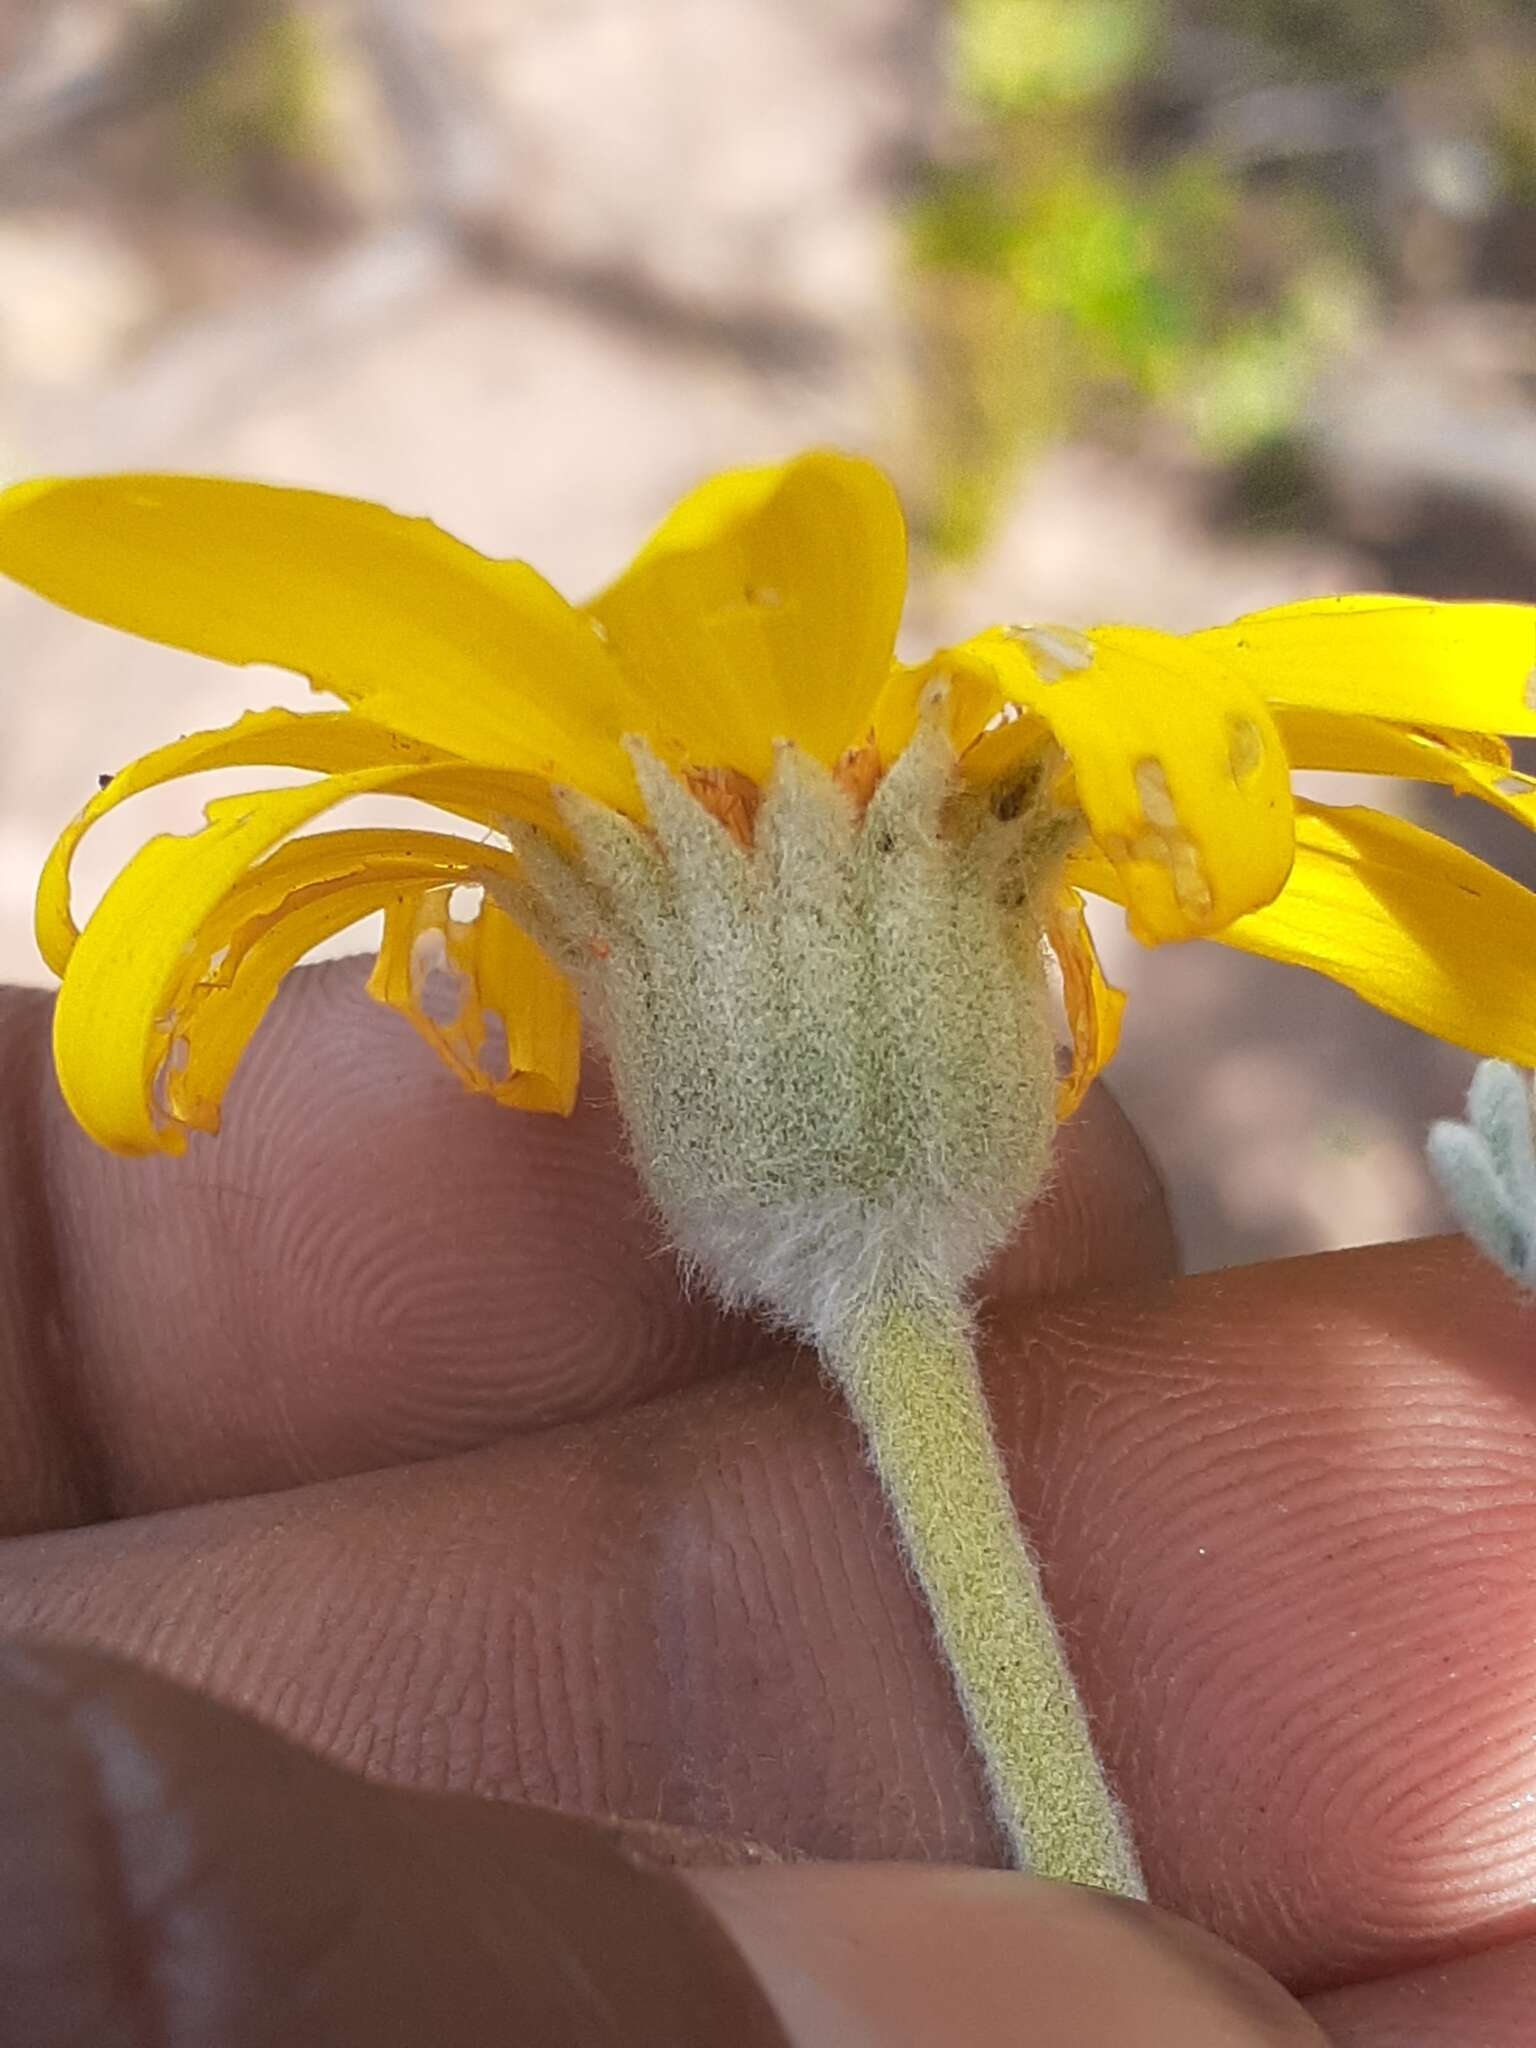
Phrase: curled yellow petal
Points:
(1409, 659)
(114, 1022)
(335, 742)
(1413, 924)
(269, 919)
(1178, 769)
(1094, 1006)
(505, 1019)
(194, 935)
(417, 631)
(764, 607)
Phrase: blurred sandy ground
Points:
(690, 264)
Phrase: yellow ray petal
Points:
(765, 607)
(1378, 746)
(1005, 750)
(514, 1031)
(149, 943)
(1403, 658)
(412, 627)
(1470, 763)
(113, 1024)
(1094, 1006)
(334, 742)
(216, 1017)
(1178, 768)
(1410, 922)
(972, 701)
(269, 919)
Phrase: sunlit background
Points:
(1158, 310)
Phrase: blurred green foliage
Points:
(265, 101)
(1013, 56)
(1100, 245)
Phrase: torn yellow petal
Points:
(1410, 922)
(413, 628)
(765, 607)
(1408, 659)
(269, 919)
(114, 1022)
(1094, 1006)
(1178, 768)
(511, 1028)
(335, 742)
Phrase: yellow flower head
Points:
(765, 609)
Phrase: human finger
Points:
(370, 1266)
(1286, 1517)
(925, 1958)
(1477, 2001)
(170, 1869)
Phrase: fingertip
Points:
(171, 1871)
(901, 1956)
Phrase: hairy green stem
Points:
(908, 1370)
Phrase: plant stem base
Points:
(909, 1372)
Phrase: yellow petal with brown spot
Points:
(1179, 771)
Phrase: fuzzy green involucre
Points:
(833, 1047)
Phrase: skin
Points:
(384, 1425)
